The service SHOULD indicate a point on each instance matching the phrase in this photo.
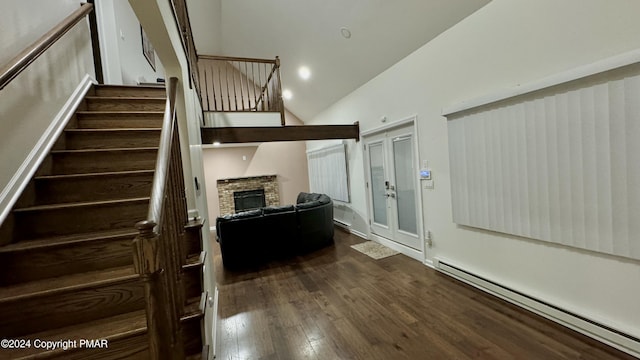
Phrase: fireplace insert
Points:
(248, 200)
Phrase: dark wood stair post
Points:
(147, 260)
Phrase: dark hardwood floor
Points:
(340, 304)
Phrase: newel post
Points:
(147, 262)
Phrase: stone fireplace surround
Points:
(226, 188)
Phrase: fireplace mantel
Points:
(243, 178)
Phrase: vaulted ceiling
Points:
(312, 34)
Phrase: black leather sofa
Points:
(254, 237)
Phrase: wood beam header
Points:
(227, 135)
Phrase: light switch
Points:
(427, 184)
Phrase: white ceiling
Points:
(308, 33)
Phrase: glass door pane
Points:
(378, 189)
(405, 185)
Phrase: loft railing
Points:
(159, 252)
(234, 84)
(19, 63)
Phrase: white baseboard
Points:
(10, 194)
(581, 324)
(214, 325)
(347, 227)
(359, 234)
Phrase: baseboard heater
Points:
(605, 334)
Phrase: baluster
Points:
(279, 93)
(235, 94)
(213, 86)
(261, 97)
(239, 72)
(265, 92)
(226, 78)
(221, 108)
(248, 104)
(255, 86)
(206, 90)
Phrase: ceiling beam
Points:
(227, 135)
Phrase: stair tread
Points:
(78, 204)
(193, 260)
(101, 150)
(119, 98)
(66, 239)
(66, 283)
(142, 87)
(118, 112)
(111, 328)
(191, 309)
(111, 130)
(97, 174)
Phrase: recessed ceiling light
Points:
(346, 33)
(304, 72)
(286, 94)
(216, 143)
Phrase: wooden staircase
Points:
(66, 256)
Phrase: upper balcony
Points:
(247, 85)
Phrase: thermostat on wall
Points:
(425, 174)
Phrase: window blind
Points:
(328, 172)
(559, 164)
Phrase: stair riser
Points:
(125, 104)
(85, 219)
(111, 140)
(192, 280)
(93, 162)
(193, 237)
(103, 121)
(67, 308)
(94, 188)
(191, 334)
(193, 242)
(42, 263)
(113, 91)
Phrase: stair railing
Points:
(20, 62)
(159, 252)
(236, 84)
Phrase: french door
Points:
(392, 186)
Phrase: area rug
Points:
(374, 250)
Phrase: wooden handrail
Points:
(16, 65)
(164, 155)
(240, 59)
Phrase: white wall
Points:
(205, 18)
(134, 66)
(121, 45)
(31, 101)
(508, 42)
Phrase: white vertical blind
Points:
(561, 164)
(328, 172)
